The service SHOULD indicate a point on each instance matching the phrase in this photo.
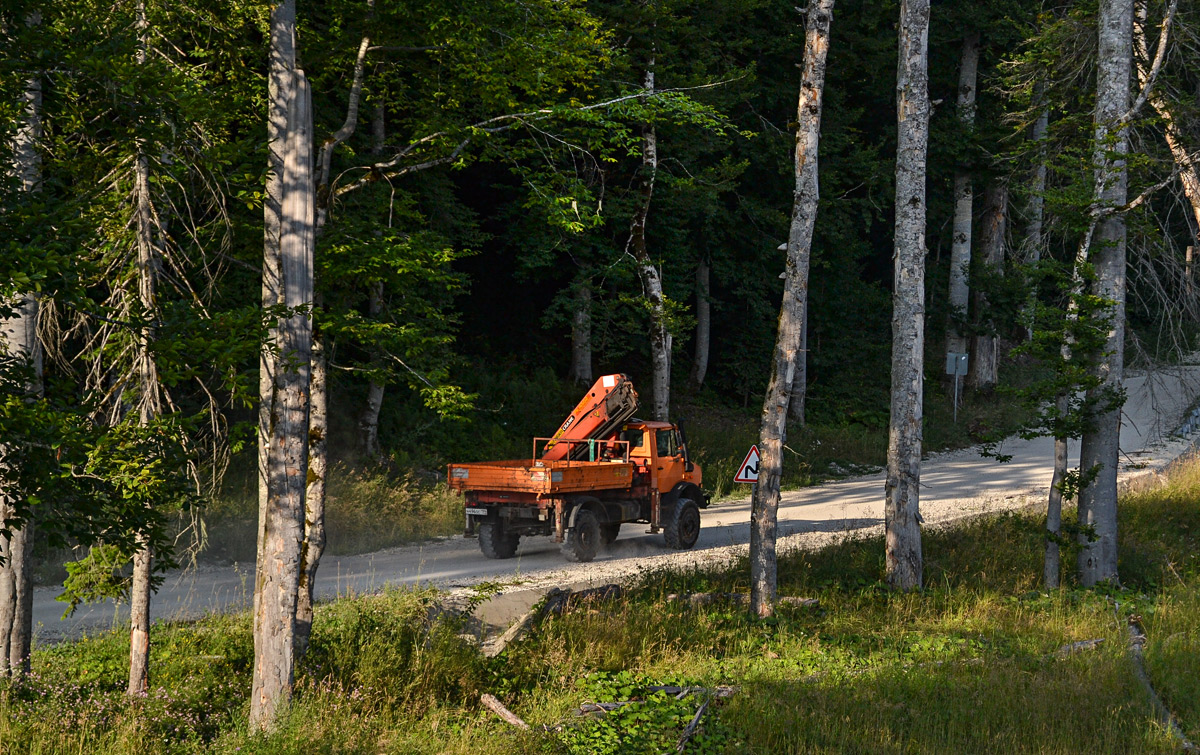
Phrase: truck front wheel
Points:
(496, 542)
(583, 540)
(682, 526)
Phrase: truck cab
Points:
(660, 452)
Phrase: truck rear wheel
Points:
(583, 540)
(682, 526)
(609, 532)
(496, 542)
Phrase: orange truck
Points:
(602, 469)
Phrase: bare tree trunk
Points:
(581, 335)
(985, 369)
(902, 514)
(1189, 171)
(1054, 510)
(149, 403)
(703, 324)
(651, 278)
(800, 379)
(277, 578)
(368, 423)
(279, 91)
(1037, 203)
(18, 338)
(314, 499)
(960, 247)
(1100, 450)
(764, 505)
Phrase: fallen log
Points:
(691, 728)
(497, 707)
(708, 598)
(1137, 645)
(556, 602)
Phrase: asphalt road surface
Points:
(954, 485)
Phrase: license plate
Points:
(472, 511)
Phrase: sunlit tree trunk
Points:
(19, 339)
(960, 245)
(800, 379)
(581, 335)
(703, 324)
(902, 517)
(277, 576)
(648, 272)
(993, 227)
(1099, 451)
(764, 505)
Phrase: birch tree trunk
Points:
(368, 423)
(314, 500)
(902, 517)
(994, 226)
(960, 246)
(651, 278)
(764, 505)
(18, 338)
(581, 335)
(277, 577)
(1099, 450)
(703, 324)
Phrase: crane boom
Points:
(604, 408)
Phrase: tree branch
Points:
(1159, 55)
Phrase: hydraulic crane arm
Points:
(604, 408)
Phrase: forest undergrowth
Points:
(375, 505)
(973, 663)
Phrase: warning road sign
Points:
(748, 472)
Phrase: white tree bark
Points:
(1099, 450)
(960, 246)
(581, 335)
(764, 505)
(18, 339)
(314, 499)
(648, 272)
(703, 324)
(368, 422)
(277, 577)
(1037, 204)
(902, 517)
(800, 379)
(993, 227)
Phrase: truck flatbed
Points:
(541, 477)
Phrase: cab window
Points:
(636, 440)
(667, 444)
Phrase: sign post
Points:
(748, 471)
(956, 365)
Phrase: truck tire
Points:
(609, 532)
(583, 540)
(682, 526)
(495, 542)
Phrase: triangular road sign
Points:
(748, 471)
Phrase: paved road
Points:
(955, 484)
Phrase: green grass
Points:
(967, 665)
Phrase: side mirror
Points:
(689, 466)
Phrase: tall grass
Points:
(973, 663)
